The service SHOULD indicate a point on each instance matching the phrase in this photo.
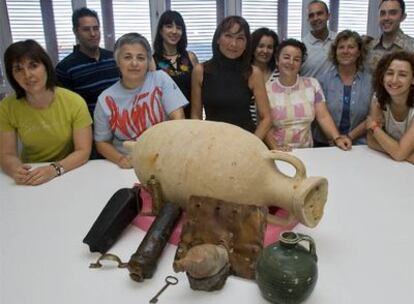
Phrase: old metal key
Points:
(169, 280)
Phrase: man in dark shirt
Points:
(89, 69)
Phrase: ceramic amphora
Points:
(225, 162)
(286, 271)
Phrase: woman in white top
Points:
(390, 123)
(139, 100)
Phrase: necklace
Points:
(172, 58)
(170, 55)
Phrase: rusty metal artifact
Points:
(108, 257)
(237, 228)
(154, 188)
(143, 262)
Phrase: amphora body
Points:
(222, 161)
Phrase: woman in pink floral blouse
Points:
(296, 102)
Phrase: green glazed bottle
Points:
(286, 271)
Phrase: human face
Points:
(232, 43)
(171, 34)
(133, 64)
(264, 50)
(318, 17)
(88, 33)
(289, 61)
(398, 78)
(347, 52)
(390, 16)
(31, 75)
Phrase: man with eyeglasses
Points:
(391, 14)
(89, 69)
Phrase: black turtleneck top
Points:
(226, 95)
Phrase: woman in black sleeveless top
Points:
(225, 84)
(170, 52)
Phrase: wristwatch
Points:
(59, 168)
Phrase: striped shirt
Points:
(253, 108)
(87, 76)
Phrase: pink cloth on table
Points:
(144, 222)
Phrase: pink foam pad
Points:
(144, 222)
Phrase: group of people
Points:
(331, 89)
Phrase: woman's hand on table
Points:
(125, 162)
(373, 123)
(272, 144)
(41, 175)
(21, 174)
(284, 148)
(25, 175)
(343, 142)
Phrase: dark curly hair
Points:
(225, 25)
(167, 18)
(345, 35)
(295, 43)
(257, 35)
(378, 78)
(32, 50)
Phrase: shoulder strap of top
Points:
(410, 116)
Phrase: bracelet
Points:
(339, 137)
(336, 138)
(59, 168)
(56, 168)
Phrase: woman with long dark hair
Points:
(171, 55)
(225, 84)
(264, 45)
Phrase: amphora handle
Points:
(290, 239)
(293, 160)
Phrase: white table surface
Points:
(364, 242)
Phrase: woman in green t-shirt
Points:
(53, 124)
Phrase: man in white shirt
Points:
(318, 41)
